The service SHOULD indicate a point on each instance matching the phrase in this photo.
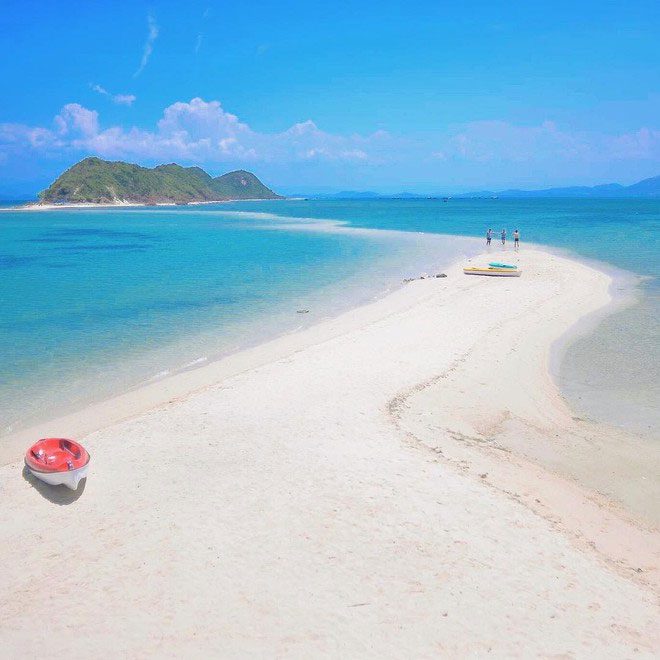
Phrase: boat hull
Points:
(70, 478)
(58, 462)
(493, 272)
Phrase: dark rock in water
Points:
(302, 311)
(441, 275)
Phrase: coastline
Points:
(370, 459)
(35, 206)
(414, 254)
(205, 371)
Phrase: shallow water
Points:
(612, 373)
(94, 302)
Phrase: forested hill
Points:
(98, 181)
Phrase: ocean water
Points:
(612, 373)
(96, 302)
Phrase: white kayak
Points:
(493, 272)
(70, 478)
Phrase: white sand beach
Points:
(122, 203)
(404, 480)
(38, 206)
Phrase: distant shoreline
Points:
(35, 206)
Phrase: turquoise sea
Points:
(96, 302)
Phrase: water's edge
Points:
(270, 331)
(347, 293)
(584, 325)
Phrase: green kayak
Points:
(497, 264)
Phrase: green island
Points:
(98, 181)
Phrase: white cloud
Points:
(306, 141)
(644, 143)
(124, 99)
(119, 99)
(499, 141)
(200, 35)
(75, 120)
(17, 136)
(200, 131)
(196, 131)
(152, 35)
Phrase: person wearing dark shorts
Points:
(489, 235)
(504, 237)
(516, 239)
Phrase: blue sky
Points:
(426, 96)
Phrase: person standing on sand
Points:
(489, 235)
(516, 239)
(504, 237)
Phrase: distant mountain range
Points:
(648, 188)
(98, 181)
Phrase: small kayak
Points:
(58, 461)
(493, 272)
(497, 264)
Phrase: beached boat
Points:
(497, 264)
(496, 272)
(58, 461)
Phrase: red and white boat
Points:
(58, 461)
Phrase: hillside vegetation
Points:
(98, 181)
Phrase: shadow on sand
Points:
(57, 494)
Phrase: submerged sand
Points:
(403, 480)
